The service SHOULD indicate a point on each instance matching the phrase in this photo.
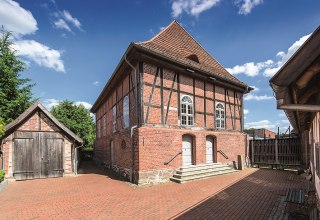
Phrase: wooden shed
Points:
(37, 145)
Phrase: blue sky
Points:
(72, 47)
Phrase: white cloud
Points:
(245, 6)
(96, 83)
(269, 67)
(68, 17)
(85, 104)
(61, 24)
(49, 103)
(16, 19)
(260, 124)
(256, 89)
(282, 114)
(250, 69)
(40, 54)
(245, 111)
(192, 7)
(257, 97)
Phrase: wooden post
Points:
(252, 152)
(276, 150)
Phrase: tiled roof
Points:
(176, 43)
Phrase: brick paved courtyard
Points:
(249, 194)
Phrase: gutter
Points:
(137, 122)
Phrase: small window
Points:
(187, 114)
(220, 116)
(104, 125)
(126, 116)
(114, 118)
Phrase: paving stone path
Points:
(249, 194)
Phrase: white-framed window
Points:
(125, 112)
(114, 118)
(104, 125)
(220, 116)
(186, 108)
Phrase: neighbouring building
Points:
(37, 145)
(168, 104)
(259, 133)
(297, 89)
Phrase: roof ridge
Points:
(163, 30)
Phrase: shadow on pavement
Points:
(253, 197)
(89, 167)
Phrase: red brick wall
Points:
(102, 146)
(156, 143)
(159, 145)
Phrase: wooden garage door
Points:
(37, 155)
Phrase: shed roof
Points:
(31, 110)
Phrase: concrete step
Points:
(202, 167)
(202, 171)
(206, 175)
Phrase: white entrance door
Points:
(209, 149)
(186, 150)
(112, 153)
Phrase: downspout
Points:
(3, 153)
(75, 161)
(136, 110)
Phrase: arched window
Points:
(125, 112)
(187, 114)
(220, 116)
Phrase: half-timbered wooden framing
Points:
(164, 70)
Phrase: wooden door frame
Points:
(214, 148)
(193, 149)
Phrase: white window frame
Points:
(185, 115)
(126, 112)
(114, 118)
(218, 113)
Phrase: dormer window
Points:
(193, 57)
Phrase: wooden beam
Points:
(168, 105)
(300, 107)
(151, 93)
(161, 95)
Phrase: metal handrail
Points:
(166, 163)
(223, 154)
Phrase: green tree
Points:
(1, 127)
(78, 119)
(15, 92)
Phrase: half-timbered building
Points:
(168, 104)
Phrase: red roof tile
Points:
(176, 43)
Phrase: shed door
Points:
(51, 156)
(37, 155)
(186, 150)
(209, 150)
(24, 159)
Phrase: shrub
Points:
(2, 174)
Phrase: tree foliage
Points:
(15, 92)
(78, 119)
(1, 127)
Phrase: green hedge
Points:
(2, 173)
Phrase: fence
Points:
(285, 151)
